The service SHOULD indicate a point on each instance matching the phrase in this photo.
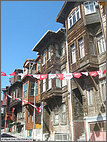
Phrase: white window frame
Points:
(64, 81)
(73, 51)
(57, 50)
(56, 119)
(44, 85)
(49, 82)
(32, 88)
(36, 89)
(103, 90)
(25, 90)
(91, 45)
(60, 136)
(101, 44)
(88, 9)
(63, 48)
(48, 53)
(63, 115)
(81, 47)
(43, 58)
(91, 98)
(58, 82)
(74, 14)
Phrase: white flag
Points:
(37, 76)
(100, 73)
(51, 76)
(68, 76)
(86, 73)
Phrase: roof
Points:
(46, 38)
(65, 10)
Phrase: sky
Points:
(23, 23)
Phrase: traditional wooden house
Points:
(15, 90)
(55, 120)
(86, 52)
(30, 93)
(7, 118)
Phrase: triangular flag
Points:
(13, 74)
(100, 73)
(93, 73)
(3, 74)
(77, 75)
(43, 76)
(37, 76)
(105, 72)
(51, 76)
(60, 76)
(68, 76)
(85, 73)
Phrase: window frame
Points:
(44, 85)
(81, 48)
(63, 120)
(91, 97)
(48, 53)
(103, 92)
(70, 18)
(58, 82)
(43, 59)
(100, 38)
(73, 54)
(49, 82)
(91, 45)
(32, 88)
(25, 90)
(88, 4)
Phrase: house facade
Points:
(86, 53)
(54, 98)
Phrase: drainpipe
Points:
(69, 84)
(34, 108)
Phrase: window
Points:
(103, 89)
(64, 81)
(38, 66)
(58, 82)
(43, 57)
(39, 86)
(89, 7)
(90, 96)
(62, 48)
(48, 53)
(36, 89)
(32, 84)
(101, 44)
(81, 47)
(91, 44)
(49, 82)
(73, 50)
(74, 17)
(61, 137)
(44, 85)
(56, 119)
(29, 133)
(25, 90)
(63, 117)
(57, 50)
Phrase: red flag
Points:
(93, 73)
(105, 72)
(60, 76)
(3, 74)
(77, 75)
(13, 73)
(43, 76)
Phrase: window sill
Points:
(100, 54)
(90, 13)
(73, 63)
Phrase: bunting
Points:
(24, 102)
(60, 76)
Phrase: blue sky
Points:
(22, 26)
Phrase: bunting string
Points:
(59, 76)
(37, 108)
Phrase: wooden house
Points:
(86, 52)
